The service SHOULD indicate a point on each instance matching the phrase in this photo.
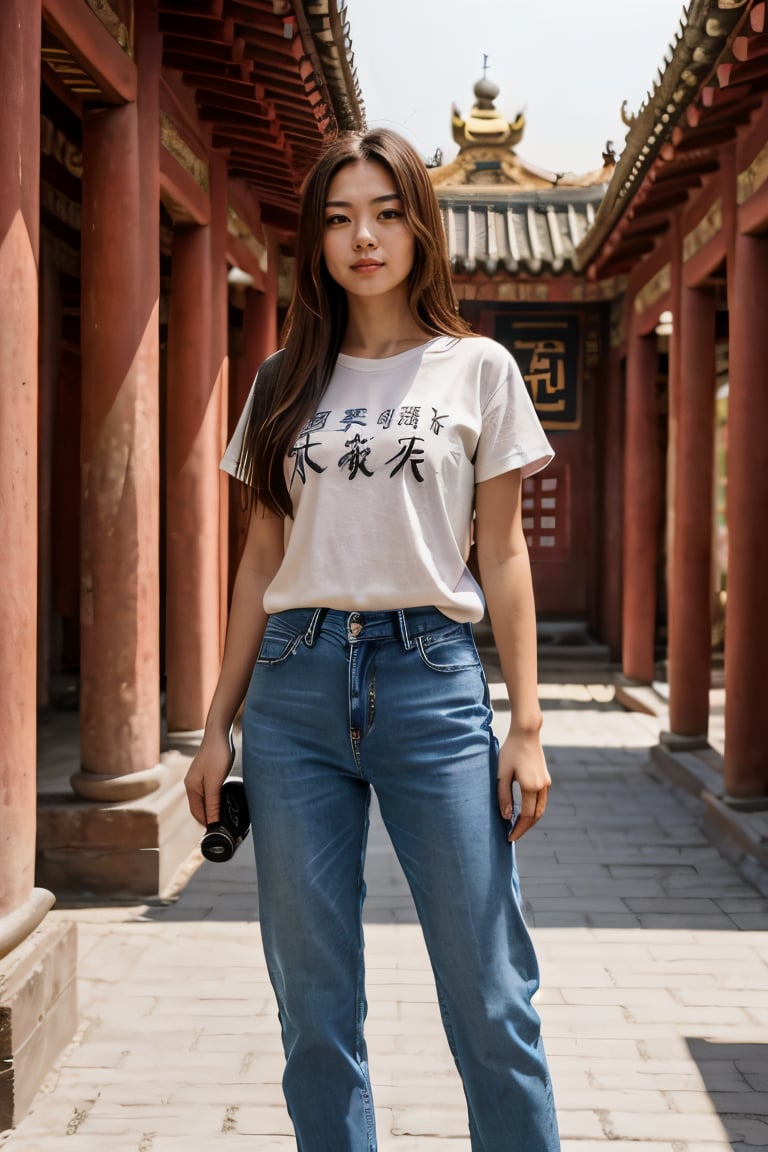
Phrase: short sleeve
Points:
(511, 436)
(231, 458)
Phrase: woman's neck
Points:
(377, 329)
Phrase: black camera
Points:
(221, 840)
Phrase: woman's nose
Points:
(364, 238)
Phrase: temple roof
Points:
(492, 230)
(266, 82)
(487, 156)
(275, 79)
(502, 214)
(712, 80)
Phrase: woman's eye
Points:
(335, 219)
(391, 214)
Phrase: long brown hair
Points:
(317, 316)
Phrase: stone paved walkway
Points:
(654, 956)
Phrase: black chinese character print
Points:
(409, 454)
(356, 457)
(300, 454)
(436, 422)
(386, 417)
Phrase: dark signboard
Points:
(547, 350)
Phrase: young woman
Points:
(375, 444)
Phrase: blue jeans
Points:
(339, 703)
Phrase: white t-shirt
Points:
(382, 478)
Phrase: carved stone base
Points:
(38, 1013)
(124, 850)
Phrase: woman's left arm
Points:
(505, 573)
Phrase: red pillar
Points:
(641, 509)
(746, 638)
(120, 667)
(612, 505)
(690, 595)
(193, 453)
(19, 238)
(48, 366)
(220, 361)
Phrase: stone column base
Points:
(677, 743)
(38, 1013)
(125, 850)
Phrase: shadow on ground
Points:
(736, 1079)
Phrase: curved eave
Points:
(644, 164)
(273, 80)
(331, 42)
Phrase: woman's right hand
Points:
(205, 776)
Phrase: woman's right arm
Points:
(262, 556)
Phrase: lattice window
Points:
(546, 514)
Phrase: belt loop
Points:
(314, 626)
(407, 642)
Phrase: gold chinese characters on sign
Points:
(547, 352)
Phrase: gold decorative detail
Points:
(654, 289)
(69, 72)
(710, 225)
(113, 24)
(176, 146)
(55, 144)
(236, 226)
(752, 177)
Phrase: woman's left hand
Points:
(521, 759)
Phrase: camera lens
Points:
(217, 844)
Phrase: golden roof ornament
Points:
(487, 155)
(485, 125)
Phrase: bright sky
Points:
(568, 64)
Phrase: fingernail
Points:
(508, 812)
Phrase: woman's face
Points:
(367, 244)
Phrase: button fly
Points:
(354, 624)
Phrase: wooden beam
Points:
(226, 85)
(181, 194)
(215, 8)
(87, 40)
(665, 200)
(193, 49)
(750, 47)
(704, 140)
(61, 91)
(228, 70)
(712, 97)
(198, 27)
(751, 72)
(206, 98)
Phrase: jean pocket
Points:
(450, 649)
(279, 642)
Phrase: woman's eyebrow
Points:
(376, 200)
